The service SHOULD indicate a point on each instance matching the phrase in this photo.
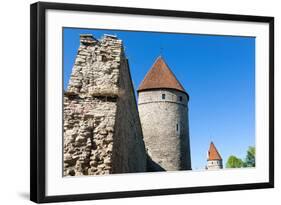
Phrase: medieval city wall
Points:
(129, 149)
(102, 133)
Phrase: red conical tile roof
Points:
(213, 153)
(160, 76)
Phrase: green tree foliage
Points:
(234, 162)
(250, 158)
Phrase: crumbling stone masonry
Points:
(102, 130)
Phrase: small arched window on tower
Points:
(163, 96)
(178, 128)
(180, 98)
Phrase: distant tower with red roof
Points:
(214, 160)
(163, 110)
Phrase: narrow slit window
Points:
(177, 127)
(180, 98)
(163, 96)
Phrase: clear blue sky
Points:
(218, 72)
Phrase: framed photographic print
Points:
(129, 102)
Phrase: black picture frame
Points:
(38, 100)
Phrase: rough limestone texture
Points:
(165, 129)
(102, 130)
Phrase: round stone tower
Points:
(163, 110)
(214, 160)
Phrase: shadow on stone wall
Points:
(152, 166)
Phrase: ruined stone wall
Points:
(101, 130)
(129, 150)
